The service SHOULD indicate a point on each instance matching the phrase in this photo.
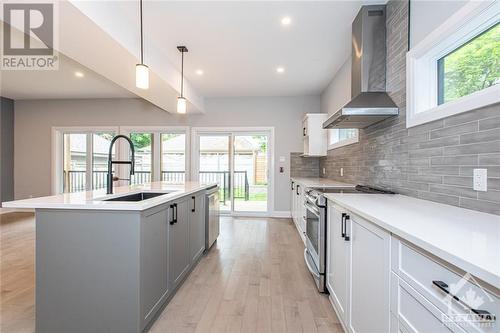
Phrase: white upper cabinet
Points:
(315, 138)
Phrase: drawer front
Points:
(415, 314)
(423, 271)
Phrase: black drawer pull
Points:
(342, 230)
(172, 220)
(482, 314)
(297, 187)
(346, 237)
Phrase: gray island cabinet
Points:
(113, 270)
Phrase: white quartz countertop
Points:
(93, 200)
(321, 183)
(465, 238)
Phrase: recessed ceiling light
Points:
(79, 74)
(199, 72)
(286, 20)
(280, 70)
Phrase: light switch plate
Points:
(480, 180)
(324, 171)
(282, 159)
(341, 172)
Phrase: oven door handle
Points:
(308, 264)
(312, 208)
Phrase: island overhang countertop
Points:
(96, 199)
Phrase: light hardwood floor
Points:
(253, 280)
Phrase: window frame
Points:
(470, 21)
(341, 143)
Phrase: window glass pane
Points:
(472, 67)
(143, 143)
(100, 143)
(339, 135)
(173, 158)
(250, 173)
(74, 162)
(214, 165)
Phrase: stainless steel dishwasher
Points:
(211, 216)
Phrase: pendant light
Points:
(141, 70)
(181, 101)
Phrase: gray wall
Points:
(34, 120)
(428, 15)
(6, 149)
(433, 161)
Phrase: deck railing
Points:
(75, 181)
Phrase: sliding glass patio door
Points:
(238, 162)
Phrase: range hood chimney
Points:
(370, 103)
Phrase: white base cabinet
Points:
(298, 209)
(381, 283)
(358, 271)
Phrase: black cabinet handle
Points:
(172, 220)
(292, 186)
(304, 131)
(194, 204)
(175, 213)
(342, 230)
(346, 237)
(482, 314)
(297, 187)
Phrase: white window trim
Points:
(342, 143)
(421, 65)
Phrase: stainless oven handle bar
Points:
(312, 208)
(313, 272)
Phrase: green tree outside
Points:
(472, 67)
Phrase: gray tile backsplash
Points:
(303, 166)
(434, 161)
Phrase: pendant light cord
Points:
(142, 42)
(182, 72)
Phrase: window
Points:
(472, 67)
(143, 145)
(173, 157)
(455, 69)
(341, 137)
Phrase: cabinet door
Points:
(369, 275)
(337, 262)
(302, 210)
(179, 242)
(196, 213)
(292, 201)
(154, 262)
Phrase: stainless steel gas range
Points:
(316, 224)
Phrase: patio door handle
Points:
(194, 204)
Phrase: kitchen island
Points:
(110, 263)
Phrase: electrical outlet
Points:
(324, 171)
(481, 180)
(341, 172)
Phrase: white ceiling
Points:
(59, 84)
(238, 45)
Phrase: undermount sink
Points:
(137, 196)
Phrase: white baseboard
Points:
(284, 214)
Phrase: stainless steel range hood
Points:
(370, 103)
